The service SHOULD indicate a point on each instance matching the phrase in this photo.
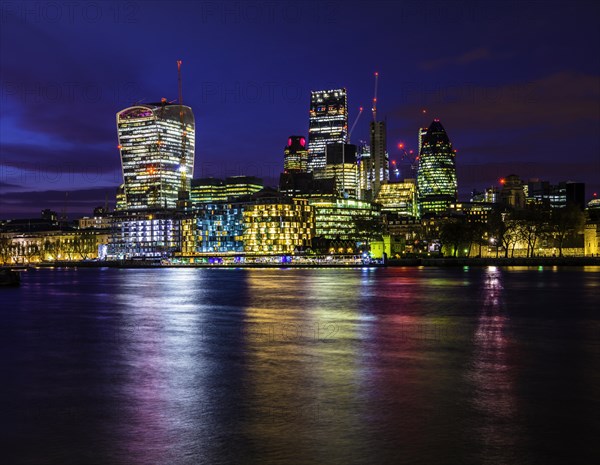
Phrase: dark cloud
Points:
(76, 203)
(471, 56)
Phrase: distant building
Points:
(211, 190)
(399, 198)
(295, 155)
(49, 215)
(379, 158)
(490, 195)
(157, 154)
(343, 168)
(305, 185)
(345, 219)
(436, 174)
(328, 124)
(556, 196)
(512, 193)
(277, 225)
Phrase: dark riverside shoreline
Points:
(433, 262)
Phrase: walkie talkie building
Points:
(157, 153)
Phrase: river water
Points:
(301, 366)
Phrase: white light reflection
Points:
(491, 374)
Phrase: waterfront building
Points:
(345, 219)
(399, 198)
(144, 234)
(436, 174)
(328, 124)
(295, 155)
(213, 228)
(46, 242)
(276, 225)
(156, 143)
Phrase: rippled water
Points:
(301, 366)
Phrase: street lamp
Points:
(493, 242)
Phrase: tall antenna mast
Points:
(374, 109)
(183, 194)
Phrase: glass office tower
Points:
(156, 142)
(436, 175)
(328, 124)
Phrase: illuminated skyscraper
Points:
(157, 153)
(343, 168)
(295, 155)
(328, 124)
(436, 175)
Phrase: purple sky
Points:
(516, 85)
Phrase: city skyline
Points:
(502, 114)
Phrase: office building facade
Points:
(328, 124)
(157, 154)
(436, 174)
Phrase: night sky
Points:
(515, 84)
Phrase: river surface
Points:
(301, 366)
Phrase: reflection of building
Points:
(436, 175)
(277, 225)
(328, 124)
(210, 190)
(399, 198)
(157, 154)
(295, 155)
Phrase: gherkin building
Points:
(436, 175)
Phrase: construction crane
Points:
(374, 109)
(360, 110)
(183, 193)
(409, 156)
